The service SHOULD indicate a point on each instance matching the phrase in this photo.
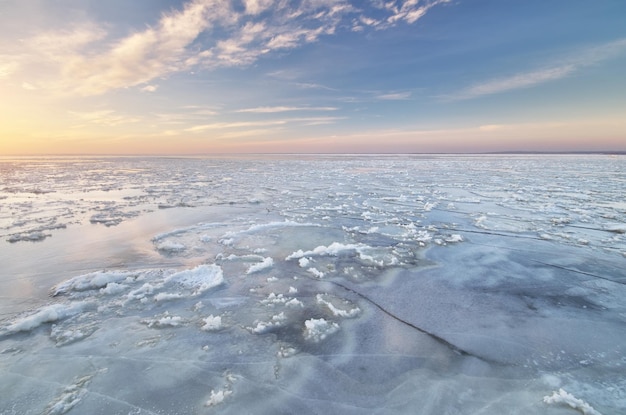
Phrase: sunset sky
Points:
(222, 76)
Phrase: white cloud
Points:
(228, 125)
(29, 87)
(410, 11)
(257, 6)
(317, 120)
(7, 68)
(56, 45)
(395, 96)
(521, 80)
(266, 110)
(103, 117)
(149, 88)
(566, 67)
(87, 59)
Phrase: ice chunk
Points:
(317, 329)
(333, 249)
(164, 320)
(218, 397)
(91, 281)
(212, 323)
(113, 288)
(168, 297)
(266, 326)
(71, 396)
(316, 272)
(198, 279)
(62, 335)
(170, 246)
(141, 292)
(345, 310)
(48, 314)
(30, 236)
(563, 398)
(263, 265)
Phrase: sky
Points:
(321, 76)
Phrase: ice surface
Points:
(326, 284)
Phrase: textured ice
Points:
(326, 284)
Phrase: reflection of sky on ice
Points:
(389, 284)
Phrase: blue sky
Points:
(204, 76)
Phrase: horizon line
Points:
(503, 152)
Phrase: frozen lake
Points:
(385, 284)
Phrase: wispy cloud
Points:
(566, 67)
(229, 125)
(87, 59)
(150, 88)
(28, 86)
(7, 68)
(310, 121)
(269, 110)
(393, 12)
(396, 96)
(108, 118)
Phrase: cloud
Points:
(144, 56)
(491, 127)
(317, 120)
(149, 88)
(29, 87)
(103, 117)
(566, 67)
(243, 126)
(518, 81)
(88, 59)
(267, 110)
(229, 125)
(407, 11)
(7, 68)
(257, 6)
(397, 96)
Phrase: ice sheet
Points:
(313, 284)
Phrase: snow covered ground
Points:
(313, 284)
